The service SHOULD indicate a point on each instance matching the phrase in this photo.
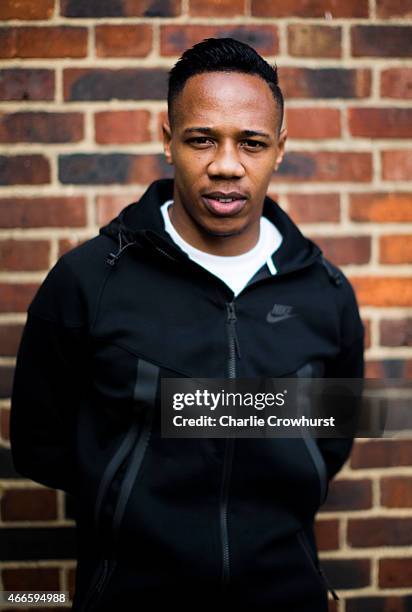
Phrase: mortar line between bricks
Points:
(282, 189)
(374, 328)
(344, 220)
(167, 61)
(54, 250)
(377, 552)
(359, 145)
(60, 505)
(91, 42)
(375, 84)
(283, 40)
(248, 9)
(11, 106)
(374, 256)
(184, 19)
(346, 46)
(155, 51)
(372, 10)
(89, 133)
(91, 215)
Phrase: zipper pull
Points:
(231, 320)
(334, 594)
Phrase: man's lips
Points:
(224, 209)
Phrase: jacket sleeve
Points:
(49, 383)
(349, 363)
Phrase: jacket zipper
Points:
(234, 350)
(302, 539)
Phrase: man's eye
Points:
(255, 144)
(199, 140)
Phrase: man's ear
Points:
(167, 138)
(281, 147)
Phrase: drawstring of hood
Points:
(113, 258)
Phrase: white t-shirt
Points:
(234, 270)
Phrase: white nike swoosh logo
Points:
(276, 318)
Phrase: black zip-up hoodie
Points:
(189, 522)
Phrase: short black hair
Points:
(221, 55)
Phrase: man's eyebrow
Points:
(208, 130)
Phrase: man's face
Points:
(224, 142)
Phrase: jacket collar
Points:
(141, 223)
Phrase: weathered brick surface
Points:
(41, 127)
(122, 127)
(174, 39)
(120, 8)
(48, 211)
(311, 8)
(391, 207)
(123, 40)
(313, 123)
(26, 9)
(314, 41)
(83, 85)
(26, 84)
(43, 42)
(325, 82)
(381, 41)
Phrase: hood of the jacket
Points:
(141, 224)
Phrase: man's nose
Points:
(226, 162)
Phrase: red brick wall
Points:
(82, 95)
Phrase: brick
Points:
(345, 250)
(314, 40)
(396, 83)
(332, 605)
(29, 505)
(395, 573)
(397, 165)
(123, 40)
(380, 122)
(383, 290)
(67, 244)
(41, 127)
(31, 579)
(109, 206)
(48, 42)
(379, 531)
(393, 8)
(123, 168)
(348, 495)
(401, 603)
(325, 82)
(310, 8)
(24, 170)
(122, 127)
(381, 41)
(15, 297)
(174, 39)
(10, 335)
(26, 84)
(381, 453)
(396, 491)
(6, 381)
(5, 424)
(396, 332)
(388, 368)
(327, 534)
(347, 573)
(120, 8)
(330, 166)
(367, 327)
(217, 8)
(314, 207)
(106, 84)
(395, 249)
(381, 207)
(26, 9)
(313, 123)
(48, 211)
(16, 255)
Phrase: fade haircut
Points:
(221, 55)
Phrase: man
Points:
(204, 277)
